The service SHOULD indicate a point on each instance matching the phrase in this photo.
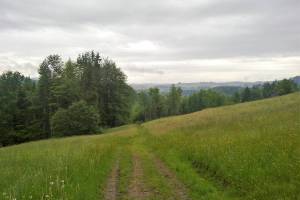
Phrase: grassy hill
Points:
(244, 151)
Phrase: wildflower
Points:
(51, 183)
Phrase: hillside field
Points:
(244, 151)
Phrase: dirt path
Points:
(137, 189)
(180, 191)
(111, 191)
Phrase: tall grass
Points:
(72, 168)
(252, 149)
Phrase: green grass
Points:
(244, 151)
(72, 168)
(251, 149)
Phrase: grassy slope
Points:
(251, 148)
(245, 151)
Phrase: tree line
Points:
(76, 97)
(152, 104)
(266, 90)
(90, 94)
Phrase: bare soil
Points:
(137, 189)
(111, 191)
(180, 191)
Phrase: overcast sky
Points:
(158, 40)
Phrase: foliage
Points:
(203, 99)
(79, 118)
(26, 106)
(276, 88)
(18, 114)
(150, 104)
(174, 100)
(50, 71)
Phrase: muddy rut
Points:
(111, 191)
(137, 188)
(179, 190)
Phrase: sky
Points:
(157, 41)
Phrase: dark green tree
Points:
(114, 95)
(157, 107)
(267, 90)
(10, 86)
(66, 88)
(246, 94)
(89, 66)
(17, 116)
(236, 98)
(50, 70)
(174, 100)
(285, 86)
(256, 92)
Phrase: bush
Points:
(79, 118)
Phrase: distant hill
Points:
(227, 88)
(296, 79)
(190, 87)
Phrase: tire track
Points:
(111, 191)
(180, 191)
(137, 188)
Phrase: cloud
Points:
(143, 70)
(9, 63)
(137, 34)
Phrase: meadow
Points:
(244, 151)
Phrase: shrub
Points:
(79, 118)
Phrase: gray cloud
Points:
(139, 33)
(143, 70)
(27, 68)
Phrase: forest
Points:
(91, 94)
